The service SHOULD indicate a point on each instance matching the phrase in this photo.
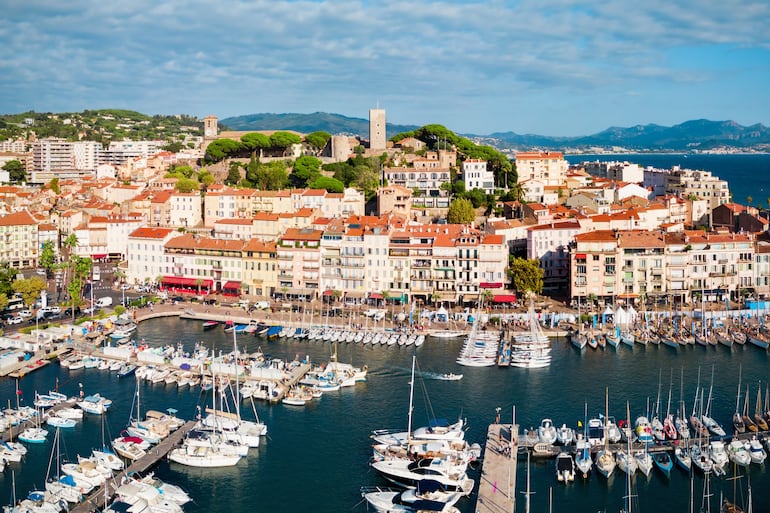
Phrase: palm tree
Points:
(435, 297)
(198, 283)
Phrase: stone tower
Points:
(377, 137)
(210, 128)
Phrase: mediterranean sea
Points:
(747, 174)
(315, 458)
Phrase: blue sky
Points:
(553, 67)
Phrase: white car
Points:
(24, 314)
(15, 320)
(89, 310)
(125, 286)
(41, 272)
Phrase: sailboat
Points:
(759, 419)
(626, 461)
(605, 461)
(583, 449)
(747, 420)
(738, 425)
(708, 421)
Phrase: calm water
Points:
(748, 175)
(315, 458)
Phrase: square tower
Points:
(210, 127)
(377, 137)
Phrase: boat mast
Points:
(411, 404)
(738, 399)
(237, 399)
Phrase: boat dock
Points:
(497, 484)
(95, 500)
(36, 361)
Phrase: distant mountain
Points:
(699, 134)
(306, 123)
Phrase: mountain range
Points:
(694, 135)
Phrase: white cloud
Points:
(269, 53)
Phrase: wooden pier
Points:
(497, 484)
(95, 500)
(37, 361)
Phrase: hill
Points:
(307, 123)
(699, 134)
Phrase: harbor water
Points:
(315, 458)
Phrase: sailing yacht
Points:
(605, 461)
(429, 495)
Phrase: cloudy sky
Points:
(554, 67)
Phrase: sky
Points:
(550, 67)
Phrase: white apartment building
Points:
(549, 243)
(85, 155)
(476, 176)
(19, 242)
(145, 254)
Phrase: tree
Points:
(460, 212)
(205, 177)
(7, 277)
(233, 174)
(526, 275)
(306, 169)
(477, 196)
(47, 256)
(186, 185)
(174, 147)
(252, 168)
(29, 289)
(221, 149)
(54, 185)
(3, 301)
(272, 176)
(16, 172)
(318, 140)
(749, 199)
(81, 271)
(367, 179)
(255, 141)
(284, 140)
(325, 182)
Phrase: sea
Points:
(315, 458)
(747, 174)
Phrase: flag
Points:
(580, 424)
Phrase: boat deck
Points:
(497, 484)
(95, 500)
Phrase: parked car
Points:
(15, 320)
(89, 310)
(24, 314)
(125, 286)
(68, 311)
(41, 272)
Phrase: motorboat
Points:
(94, 404)
(437, 429)
(737, 453)
(718, 455)
(203, 456)
(565, 435)
(60, 422)
(565, 468)
(450, 377)
(546, 432)
(596, 432)
(408, 473)
(429, 495)
(663, 462)
(612, 431)
(172, 492)
(643, 429)
(130, 447)
(33, 435)
(209, 325)
(758, 454)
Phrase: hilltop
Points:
(102, 125)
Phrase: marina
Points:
(381, 402)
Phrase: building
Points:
(549, 244)
(145, 254)
(549, 167)
(377, 129)
(19, 240)
(476, 176)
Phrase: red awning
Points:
(488, 285)
(328, 292)
(375, 295)
(580, 256)
(232, 285)
(99, 256)
(504, 298)
(186, 282)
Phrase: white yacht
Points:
(203, 456)
(409, 473)
(429, 495)
(546, 432)
(737, 453)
